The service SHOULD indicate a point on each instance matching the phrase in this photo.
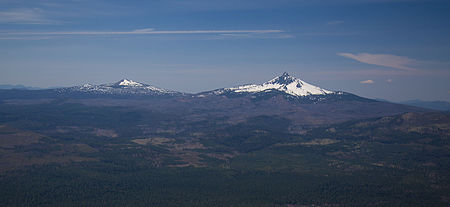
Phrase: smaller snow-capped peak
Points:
(284, 83)
(122, 87)
(128, 82)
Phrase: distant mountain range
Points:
(283, 84)
(288, 86)
(285, 96)
(22, 87)
(436, 105)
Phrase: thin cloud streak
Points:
(28, 38)
(386, 60)
(24, 16)
(257, 35)
(148, 31)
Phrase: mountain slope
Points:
(289, 87)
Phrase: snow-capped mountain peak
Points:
(285, 83)
(128, 82)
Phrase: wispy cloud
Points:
(29, 38)
(387, 60)
(258, 35)
(367, 82)
(149, 31)
(389, 80)
(25, 16)
(329, 34)
(269, 33)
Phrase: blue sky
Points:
(390, 49)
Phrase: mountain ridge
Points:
(283, 86)
(290, 87)
(122, 87)
(435, 105)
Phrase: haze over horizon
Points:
(390, 49)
